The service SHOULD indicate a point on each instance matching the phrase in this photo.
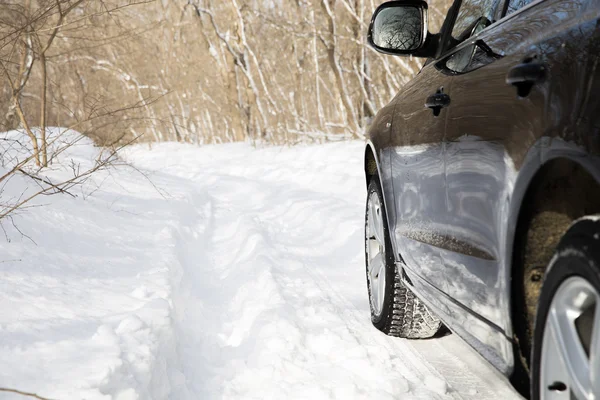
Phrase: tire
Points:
(570, 304)
(399, 312)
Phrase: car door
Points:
(501, 107)
(417, 168)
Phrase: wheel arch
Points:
(371, 164)
(373, 168)
(560, 191)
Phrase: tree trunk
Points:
(334, 63)
(44, 151)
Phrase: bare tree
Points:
(32, 36)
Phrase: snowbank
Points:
(85, 293)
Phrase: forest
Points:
(195, 71)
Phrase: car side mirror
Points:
(400, 28)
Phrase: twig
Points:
(47, 182)
(24, 393)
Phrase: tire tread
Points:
(404, 315)
(410, 318)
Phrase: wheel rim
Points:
(375, 244)
(571, 343)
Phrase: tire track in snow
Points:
(424, 379)
(463, 383)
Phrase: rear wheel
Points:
(394, 308)
(566, 344)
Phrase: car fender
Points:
(378, 142)
(545, 149)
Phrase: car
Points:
(483, 182)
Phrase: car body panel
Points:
(454, 185)
(488, 133)
(493, 344)
(417, 167)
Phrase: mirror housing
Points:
(400, 28)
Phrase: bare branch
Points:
(24, 393)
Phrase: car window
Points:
(514, 5)
(470, 15)
(469, 58)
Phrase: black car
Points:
(483, 179)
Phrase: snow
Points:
(436, 384)
(216, 272)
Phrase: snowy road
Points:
(237, 273)
(271, 299)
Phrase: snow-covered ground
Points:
(215, 272)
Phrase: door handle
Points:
(437, 101)
(523, 76)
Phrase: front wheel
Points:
(395, 310)
(566, 343)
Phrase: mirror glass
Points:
(398, 28)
